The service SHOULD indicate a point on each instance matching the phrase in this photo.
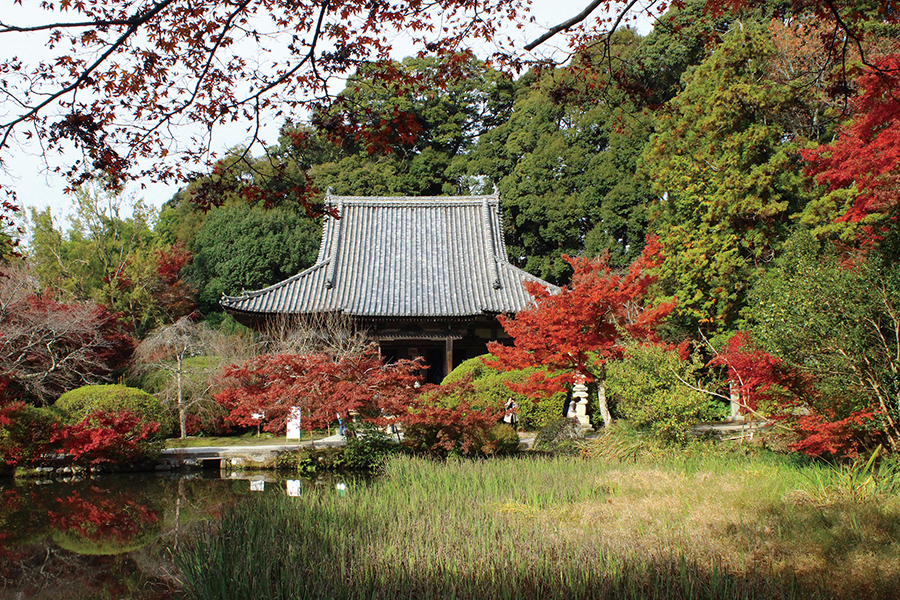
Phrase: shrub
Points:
(506, 439)
(81, 402)
(24, 434)
(369, 448)
(440, 438)
(211, 424)
(559, 437)
(491, 391)
(645, 388)
(118, 439)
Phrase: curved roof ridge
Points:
(245, 294)
(416, 200)
(505, 264)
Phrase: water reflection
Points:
(111, 536)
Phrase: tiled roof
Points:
(402, 257)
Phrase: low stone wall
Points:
(232, 457)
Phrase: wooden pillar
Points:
(448, 355)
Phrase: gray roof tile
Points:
(402, 257)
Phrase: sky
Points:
(37, 186)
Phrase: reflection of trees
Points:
(104, 537)
(94, 522)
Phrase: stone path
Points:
(212, 456)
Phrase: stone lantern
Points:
(578, 406)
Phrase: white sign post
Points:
(259, 419)
(293, 424)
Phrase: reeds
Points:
(533, 528)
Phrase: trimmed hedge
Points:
(491, 391)
(80, 402)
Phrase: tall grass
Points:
(677, 527)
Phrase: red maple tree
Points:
(768, 387)
(572, 333)
(173, 293)
(21, 439)
(322, 386)
(440, 421)
(866, 155)
(358, 388)
(104, 438)
(759, 380)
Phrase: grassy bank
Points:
(670, 527)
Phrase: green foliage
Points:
(366, 450)
(27, 431)
(241, 247)
(491, 391)
(309, 460)
(506, 439)
(646, 388)
(729, 177)
(564, 163)
(79, 403)
(103, 256)
(227, 325)
(559, 437)
(370, 447)
(450, 116)
(680, 40)
(834, 318)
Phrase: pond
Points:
(112, 536)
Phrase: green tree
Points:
(728, 178)
(240, 247)
(443, 118)
(565, 160)
(836, 317)
(647, 387)
(103, 256)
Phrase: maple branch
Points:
(308, 57)
(567, 24)
(4, 28)
(134, 23)
(167, 117)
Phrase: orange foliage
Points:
(575, 331)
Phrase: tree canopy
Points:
(131, 82)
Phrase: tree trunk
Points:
(182, 414)
(601, 401)
(735, 400)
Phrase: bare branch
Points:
(566, 25)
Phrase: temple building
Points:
(425, 276)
